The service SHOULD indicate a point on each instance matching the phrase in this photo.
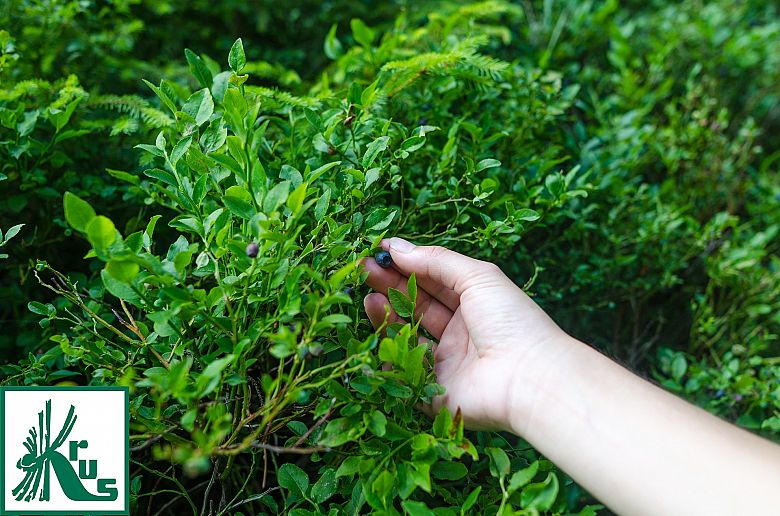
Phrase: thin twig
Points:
(152, 440)
(316, 425)
(293, 450)
(252, 498)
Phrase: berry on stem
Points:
(384, 259)
(252, 250)
(350, 292)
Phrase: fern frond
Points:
(124, 125)
(283, 98)
(135, 107)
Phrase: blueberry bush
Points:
(185, 216)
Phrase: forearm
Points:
(640, 449)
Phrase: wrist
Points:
(542, 374)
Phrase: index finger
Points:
(438, 265)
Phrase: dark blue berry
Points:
(384, 259)
(350, 292)
(252, 250)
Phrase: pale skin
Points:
(507, 366)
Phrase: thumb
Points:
(438, 264)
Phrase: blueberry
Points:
(384, 259)
(252, 250)
(719, 393)
(350, 292)
(737, 397)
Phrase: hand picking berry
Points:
(384, 259)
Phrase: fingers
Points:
(434, 315)
(439, 265)
(453, 348)
(376, 306)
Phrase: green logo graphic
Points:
(43, 457)
(64, 450)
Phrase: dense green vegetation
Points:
(620, 161)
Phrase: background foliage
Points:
(617, 160)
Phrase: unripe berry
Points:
(384, 259)
(252, 250)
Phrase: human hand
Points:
(495, 344)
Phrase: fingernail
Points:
(401, 245)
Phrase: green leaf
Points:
(333, 48)
(413, 508)
(361, 32)
(295, 200)
(239, 201)
(541, 495)
(679, 366)
(151, 149)
(236, 57)
(163, 175)
(397, 390)
(124, 176)
(337, 319)
(442, 423)
(413, 143)
(382, 486)
(325, 487)
(340, 431)
(59, 117)
(449, 470)
(12, 232)
(372, 151)
(349, 467)
(118, 288)
(411, 287)
(522, 477)
(164, 97)
(180, 149)
(382, 224)
(554, 184)
(470, 500)
(78, 212)
(401, 304)
(376, 423)
(101, 232)
(122, 270)
(293, 478)
(390, 351)
(321, 208)
(26, 126)
(526, 214)
(499, 462)
(276, 197)
(372, 175)
(37, 308)
(198, 68)
(200, 106)
(487, 163)
(316, 173)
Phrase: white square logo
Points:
(64, 450)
